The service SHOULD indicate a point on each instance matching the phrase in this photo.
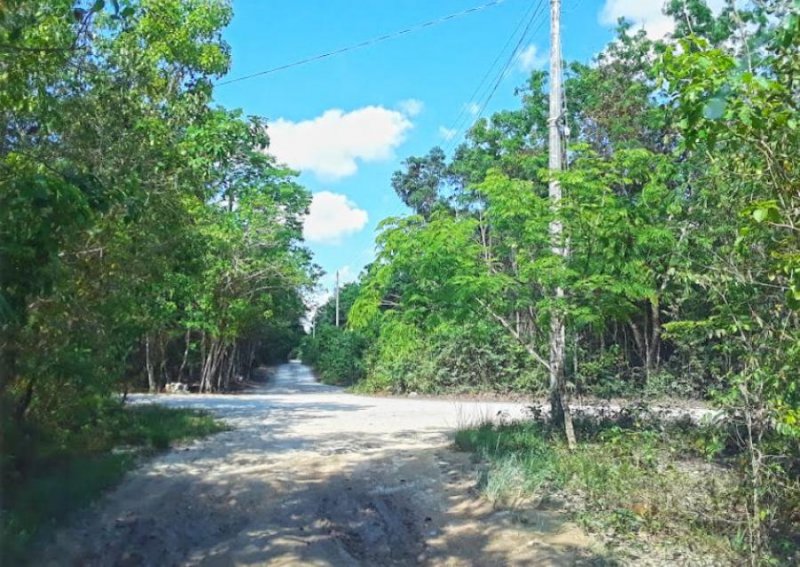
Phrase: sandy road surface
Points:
(311, 475)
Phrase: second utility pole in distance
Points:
(337, 298)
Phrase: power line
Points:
(508, 64)
(463, 115)
(537, 11)
(365, 43)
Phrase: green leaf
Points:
(745, 115)
(714, 109)
(760, 215)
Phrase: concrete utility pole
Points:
(558, 392)
(337, 298)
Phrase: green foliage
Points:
(336, 354)
(395, 358)
(740, 109)
(145, 235)
(48, 474)
(630, 480)
(453, 359)
(142, 232)
(680, 216)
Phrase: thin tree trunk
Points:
(215, 352)
(152, 384)
(162, 364)
(25, 403)
(201, 363)
(654, 354)
(251, 357)
(575, 359)
(638, 341)
(188, 341)
(233, 365)
(208, 361)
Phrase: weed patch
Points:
(627, 485)
(67, 472)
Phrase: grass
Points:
(54, 476)
(627, 483)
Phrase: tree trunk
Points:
(188, 341)
(202, 363)
(152, 384)
(22, 406)
(233, 365)
(638, 340)
(654, 346)
(211, 366)
(7, 365)
(251, 357)
(162, 363)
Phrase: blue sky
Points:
(348, 121)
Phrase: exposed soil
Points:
(310, 475)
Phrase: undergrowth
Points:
(52, 475)
(626, 480)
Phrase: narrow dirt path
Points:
(311, 475)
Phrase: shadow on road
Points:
(311, 476)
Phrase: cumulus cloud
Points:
(645, 14)
(411, 107)
(332, 144)
(530, 59)
(332, 216)
(346, 275)
(447, 134)
(473, 108)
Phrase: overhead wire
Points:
(464, 113)
(509, 62)
(536, 13)
(365, 43)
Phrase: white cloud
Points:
(473, 108)
(332, 144)
(647, 14)
(346, 275)
(411, 107)
(332, 216)
(531, 59)
(447, 134)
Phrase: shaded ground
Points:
(314, 476)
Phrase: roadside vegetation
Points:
(51, 473)
(681, 214)
(665, 492)
(146, 236)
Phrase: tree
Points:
(145, 236)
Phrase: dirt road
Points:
(310, 475)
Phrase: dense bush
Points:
(470, 358)
(336, 355)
